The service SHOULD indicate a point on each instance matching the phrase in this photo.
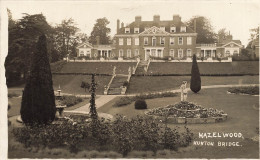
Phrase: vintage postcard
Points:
(129, 79)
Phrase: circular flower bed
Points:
(188, 111)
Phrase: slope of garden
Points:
(206, 68)
(97, 67)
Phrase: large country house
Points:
(158, 39)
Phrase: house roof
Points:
(143, 24)
(85, 43)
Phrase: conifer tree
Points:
(93, 110)
(195, 82)
(38, 101)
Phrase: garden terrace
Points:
(97, 67)
(206, 68)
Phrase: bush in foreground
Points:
(123, 135)
(140, 104)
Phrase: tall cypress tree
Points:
(38, 101)
(195, 82)
(93, 110)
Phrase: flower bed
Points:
(187, 112)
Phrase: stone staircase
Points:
(140, 70)
(117, 82)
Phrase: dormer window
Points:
(136, 30)
(183, 29)
(127, 30)
(173, 29)
(162, 28)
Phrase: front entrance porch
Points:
(154, 52)
(104, 53)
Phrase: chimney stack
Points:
(176, 18)
(156, 18)
(195, 25)
(118, 25)
(98, 40)
(138, 19)
(122, 25)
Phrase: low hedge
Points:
(70, 100)
(123, 101)
(254, 90)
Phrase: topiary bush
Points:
(140, 104)
(38, 101)
(195, 82)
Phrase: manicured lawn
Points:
(237, 67)
(243, 117)
(71, 83)
(97, 67)
(140, 84)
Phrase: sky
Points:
(238, 17)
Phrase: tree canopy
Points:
(100, 29)
(204, 29)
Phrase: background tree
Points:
(222, 33)
(38, 101)
(100, 29)
(254, 36)
(65, 36)
(23, 36)
(195, 82)
(203, 28)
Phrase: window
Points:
(128, 53)
(121, 53)
(153, 52)
(137, 41)
(159, 53)
(136, 30)
(162, 40)
(171, 40)
(127, 30)
(162, 28)
(128, 41)
(136, 52)
(145, 40)
(121, 41)
(81, 55)
(183, 29)
(189, 40)
(173, 29)
(180, 53)
(154, 41)
(180, 41)
(188, 52)
(172, 53)
(227, 53)
(235, 52)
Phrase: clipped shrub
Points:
(140, 104)
(126, 83)
(195, 82)
(123, 101)
(38, 101)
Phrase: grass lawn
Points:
(97, 67)
(243, 117)
(140, 84)
(236, 67)
(71, 83)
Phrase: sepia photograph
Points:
(162, 79)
